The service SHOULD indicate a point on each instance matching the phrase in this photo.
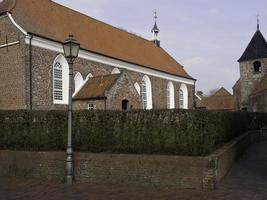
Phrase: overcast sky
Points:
(206, 36)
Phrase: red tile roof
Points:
(220, 100)
(51, 20)
(96, 87)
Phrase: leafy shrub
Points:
(175, 132)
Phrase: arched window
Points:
(183, 97)
(146, 92)
(60, 80)
(257, 66)
(78, 81)
(115, 71)
(137, 87)
(170, 96)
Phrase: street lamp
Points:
(71, 50)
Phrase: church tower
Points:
(253, 66)
(155, 31)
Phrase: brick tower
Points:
(253, 67)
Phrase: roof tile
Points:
(257, 48)
(95, 87)
(51, 20)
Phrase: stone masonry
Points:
(249, 78)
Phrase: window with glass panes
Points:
(144, 94)
(181, 98)
(58, 82)
(168, 97)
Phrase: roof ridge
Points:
(94, 35)
(222, 89)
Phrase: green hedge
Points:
(173, 132)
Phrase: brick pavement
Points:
(246, 181)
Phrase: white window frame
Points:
(183, 97)
(78, 81)
(60, 60)
(170, 96)
(91, 106)
(138, 88)
(115, 71)
(146, 91)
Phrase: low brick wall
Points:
(176, 171)
(40, 165)
(166, 171)
(223, 159)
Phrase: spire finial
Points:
(155, 30)
(258, 22)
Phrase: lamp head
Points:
(71, 48)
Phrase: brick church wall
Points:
(42, 78)
(123, 90)
(15, 73)
(12, 70)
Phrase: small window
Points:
(257, 66)
(91, 106)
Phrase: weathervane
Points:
(258, 21)
(155, 14)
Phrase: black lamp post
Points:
(71, 50)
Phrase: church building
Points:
(115, 69)
(251, 89)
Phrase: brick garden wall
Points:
(171, 171)
(156, 170)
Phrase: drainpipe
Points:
(194, 96)
(105, 102)
(30, 69)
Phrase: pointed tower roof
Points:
(257, 48)
(155, 28)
